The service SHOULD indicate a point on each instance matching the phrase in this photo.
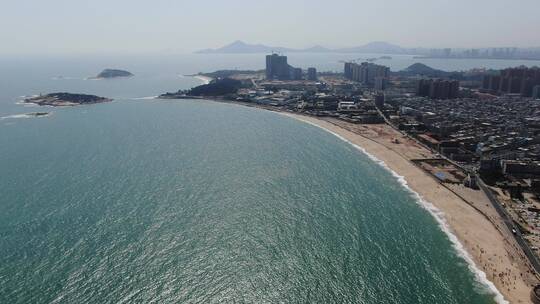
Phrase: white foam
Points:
(480, 276)
(22, 99)
(25, 115)
(146, 98)
(15, 116)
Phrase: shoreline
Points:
(435, 212)
(482, 245)
(476, 231)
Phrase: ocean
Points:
(163, 201)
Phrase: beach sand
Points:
(489, 246)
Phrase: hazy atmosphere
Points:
(235, 151)
(102, 26)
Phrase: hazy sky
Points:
(111, 26)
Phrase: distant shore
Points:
(465, 215)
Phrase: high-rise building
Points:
(347, 70)
(514, 84)
(296, 73)
(380, 83)
(278, 68)
(438, 88)
(485, 82)
(423, 87)
(495, 83)
(536, 92)
(312, 74)
(526, 87)
(520, 80)
(453, 90)
(379, 100)
(366, 72)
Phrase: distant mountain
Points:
(381, 47)
(242, 47)
(238, 47)
(316, 49)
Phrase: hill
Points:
(239, 47)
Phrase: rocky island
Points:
(65, 99)
(113, 73)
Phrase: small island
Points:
(113, 73)
(65, 99)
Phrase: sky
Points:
(165, 26)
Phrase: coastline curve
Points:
(435, 212)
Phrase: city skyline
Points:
(60, 26)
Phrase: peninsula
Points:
(65, 99)
(113, 73)
(216, 87)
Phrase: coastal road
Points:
(533, 259)
(507, 219)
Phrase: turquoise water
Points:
(145, 201)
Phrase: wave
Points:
(437, 214)
(15, 116)
(25, 115)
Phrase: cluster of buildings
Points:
(277, 68)
(500, 135)
(334, 97)
(495, 138)
(492, 53)
(367, 73)
(474, 131)
(438, 88)
(521, 80)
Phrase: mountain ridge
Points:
(241, 47)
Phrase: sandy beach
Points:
(472, 223)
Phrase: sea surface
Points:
(153, 201)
